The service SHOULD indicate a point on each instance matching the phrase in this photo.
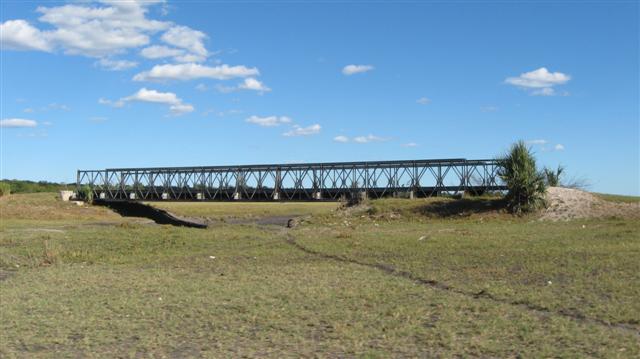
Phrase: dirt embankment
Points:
(564, 204)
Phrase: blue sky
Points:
(117, 84)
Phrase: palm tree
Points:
(553, 177)
(526, 185)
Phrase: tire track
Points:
(536, 309)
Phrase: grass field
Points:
(244, 210)
(397, 279)
(619, 198)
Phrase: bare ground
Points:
(564, 204)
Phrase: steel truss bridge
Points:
(302, 181)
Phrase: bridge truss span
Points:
(307, 181)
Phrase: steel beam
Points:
(297, 181)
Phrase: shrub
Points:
(553, 177)
(5, 189)
(526, 185)
(86, 193)
(20, 186)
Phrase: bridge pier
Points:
(317, 195)
(276, 196)
(237, 196)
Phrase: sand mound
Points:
(564, 204)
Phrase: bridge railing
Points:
(313, 181)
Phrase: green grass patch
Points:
(618, 198)
(563, 267)
(97, 287)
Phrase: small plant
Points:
(526, 185)
(86, 192)
(553, 177)
(5, 189)
(50, 253)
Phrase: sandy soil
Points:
(564, 204)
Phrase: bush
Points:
(86, 193)
(525, 183)
(20, 186)
(553, 177)
(5, 189)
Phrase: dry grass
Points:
(100, 288)
(227, 210)
(47, 206)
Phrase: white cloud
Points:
(180, 109)
(160, 51)
(154, 96)
(539, 78)
(99, 31)
(104, 101)
(28, 110)
(176, 105)
(546, 91)
(20, 35)
(17, 123)
(369, 138)
(253, 84)
(545, 145)
(303, 131)
(248, 84)
(540, 82)
(364, 139)
(201, 87)
(189, 40)
(57, 106)
(116, 65)
(410, 144)
(103, 30)
(423, 101)
(354, 69)
(226, 89)
(269, 121)
(193, 71)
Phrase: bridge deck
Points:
(299, 181)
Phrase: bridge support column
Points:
(165, 195)
(237, 196)
(412, 194)
(276, 196)
(362, 195)
(132, 196)
(317, 195)
(200, 195)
